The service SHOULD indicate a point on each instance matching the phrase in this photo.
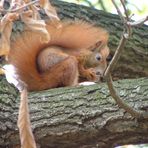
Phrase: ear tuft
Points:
(98, 44)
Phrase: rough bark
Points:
(77, 117)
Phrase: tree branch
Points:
(125, 10)
(116, 56)
(119, 101)
(20, 8)
(124, 38)
(76, 117)
(137, 23)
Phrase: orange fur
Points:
(74, 41)
(24, 125)
(76, 35)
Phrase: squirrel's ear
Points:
(96, 47)
(98, 44)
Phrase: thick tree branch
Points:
(78, 116)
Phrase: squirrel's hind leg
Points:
(57, 67)
(64, 73)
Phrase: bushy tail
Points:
(76, 34)
(26, 136)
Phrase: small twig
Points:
(123, 19)
(27, 5)
(90, 4)
(116, 55)
(20, 8)
(109, 79)
(125, 10)
(121, 103)
(137, 23)
(102, 4)
(126, 34)
(127, 18)
(119, 12)
(140, 52)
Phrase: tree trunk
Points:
(78, 117)
(85, 117)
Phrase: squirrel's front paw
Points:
(90, 74)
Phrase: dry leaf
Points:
(16, 4)
(1, 4)
(35, 12)
(37, 26)
(49, 9)
(5, 30)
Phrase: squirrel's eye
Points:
(93, 49)
(98, 57)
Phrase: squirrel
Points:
(76, 51)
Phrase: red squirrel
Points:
(76, 51)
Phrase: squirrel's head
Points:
(98, 59)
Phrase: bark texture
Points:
(79, 117)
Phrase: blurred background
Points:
(138, 9)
